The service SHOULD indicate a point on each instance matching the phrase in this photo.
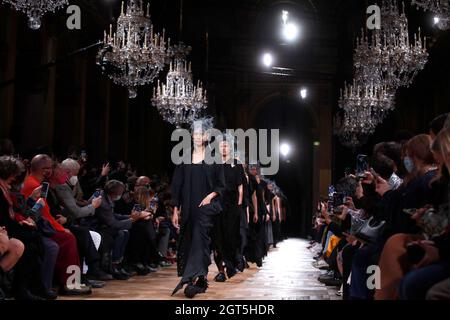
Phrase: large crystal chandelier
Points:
(440, 9)
(179, 101)
(388, 58)
(36, 9)
(134, 55)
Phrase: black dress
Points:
(191, 183)
(257, 242)
(227, 225)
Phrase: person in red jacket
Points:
(41, 170)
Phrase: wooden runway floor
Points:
(286, 274)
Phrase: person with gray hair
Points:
(66, 197)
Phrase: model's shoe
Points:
(202, 283)
(191, 291)
(241, 265)
(179, 286)
(220, 277)
(231, 272)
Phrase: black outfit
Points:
(243, 230)
(190, 185)
(28, 279)
(257, 242)
(142, 245)
(226, 237)
(113, 228)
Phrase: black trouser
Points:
(28, 275)
(86, 247)
(142, 246)
(113, 246)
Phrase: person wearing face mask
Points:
(63, 207)
(65, 195)
(114, 229)
(41, 170)
(415, 193)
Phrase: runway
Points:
(287, 274)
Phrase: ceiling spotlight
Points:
(303, 93)
(436, 20)
(285, 149)
(290, 31)
(267, 59)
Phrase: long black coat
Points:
(181, 198)
(181, 184)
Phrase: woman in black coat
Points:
(196, 190)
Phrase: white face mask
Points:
(117, 198)
(73, 180)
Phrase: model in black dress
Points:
(227, 225)
(196, 189)
(256, 247)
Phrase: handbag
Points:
(370, 230)
(45, 227)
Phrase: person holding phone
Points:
(142, 252)
(114, 229)
(41, 171)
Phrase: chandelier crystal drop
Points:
(179, 101)
(134, 54)
(36, 9)
(440, 9)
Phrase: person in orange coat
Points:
(41, 170)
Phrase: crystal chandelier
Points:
(347, 137)
(364, 107)
(36, 9)
(134, 55)
(178, 100)
(440, 8)
(387, 58)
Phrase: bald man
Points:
(41, 170)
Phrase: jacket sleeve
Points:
(105, 215)
(177, 186)
(70, 205)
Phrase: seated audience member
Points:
(28, 284)
(114, 229)
(41, 170)
(85, 240)
(415, 193)
(434, 267)
(142, 251)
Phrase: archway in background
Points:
(295, 177)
